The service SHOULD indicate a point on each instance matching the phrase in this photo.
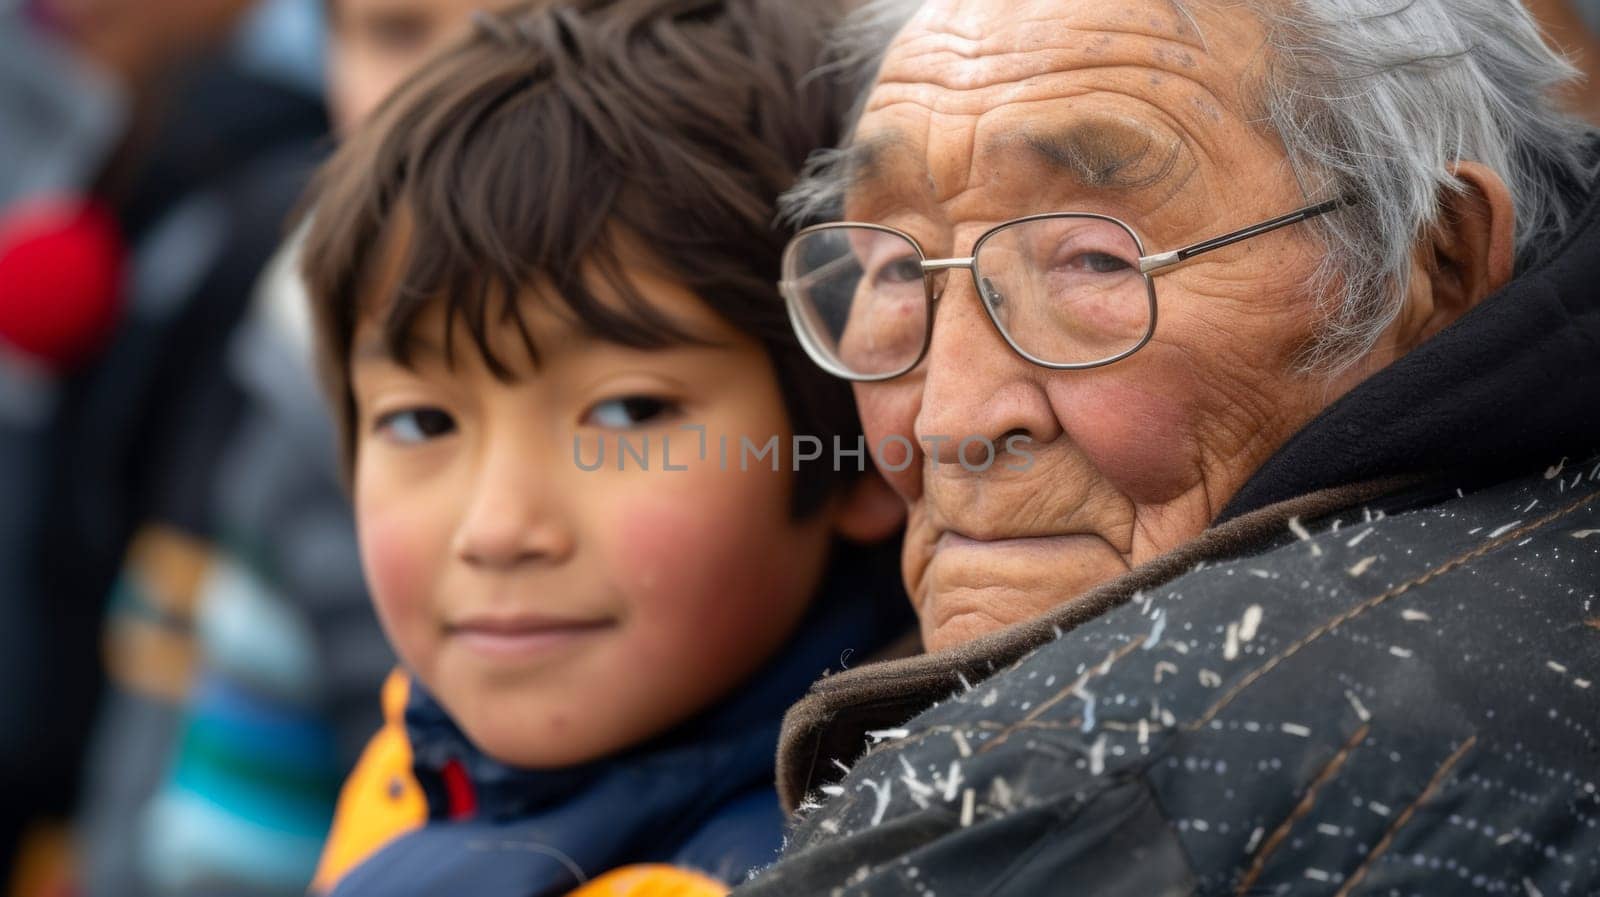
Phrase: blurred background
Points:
(189, 660)
(189, 663)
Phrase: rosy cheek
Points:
(680, 567)
(648, 541)
(1140, 440)
(651, 547)
(395, 569)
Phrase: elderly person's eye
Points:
(1098, 263)
(898, 271)
(1089, 256)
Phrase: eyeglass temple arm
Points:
(1152, 263)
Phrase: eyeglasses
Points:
(1067, 290)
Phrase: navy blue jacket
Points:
(700, 796)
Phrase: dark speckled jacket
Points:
(1379, 673)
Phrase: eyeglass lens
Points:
(1063, 289)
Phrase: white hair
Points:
(1374, 101)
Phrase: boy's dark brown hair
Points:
(524, 154)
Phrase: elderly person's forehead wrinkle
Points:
(966, 19)
(1182, 88)
(946, 49)
(985, 157)
(968, 84)
(1043, 159)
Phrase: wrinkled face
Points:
(985, 112)
(560, 613)
(375, 44)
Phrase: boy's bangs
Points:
(482, 293)
(512, 213)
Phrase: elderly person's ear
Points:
(868, 511)
(1467, 257)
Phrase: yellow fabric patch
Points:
(651, 880)
(381, 800)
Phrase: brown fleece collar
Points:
(830, 723)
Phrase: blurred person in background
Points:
(377, 43)
(219, 775)
(124, 133)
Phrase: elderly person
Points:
(1248, 357)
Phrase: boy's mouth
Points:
(514, 637)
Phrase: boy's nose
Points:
(505, 547)
(512, 519)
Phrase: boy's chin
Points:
(528, 748)
(542, 739)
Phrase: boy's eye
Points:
(415, 425)
(627, 412)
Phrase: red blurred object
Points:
(458, 788)
(61, 280)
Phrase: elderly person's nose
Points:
(974, 384)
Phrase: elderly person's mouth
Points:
(995, 544)
(976, 581)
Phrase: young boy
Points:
(542, 277)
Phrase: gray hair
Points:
(1374, 101)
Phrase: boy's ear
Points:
(868, 511)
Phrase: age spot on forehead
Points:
(1169, 57)
(1206, 108)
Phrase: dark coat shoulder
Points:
(1403, 702)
